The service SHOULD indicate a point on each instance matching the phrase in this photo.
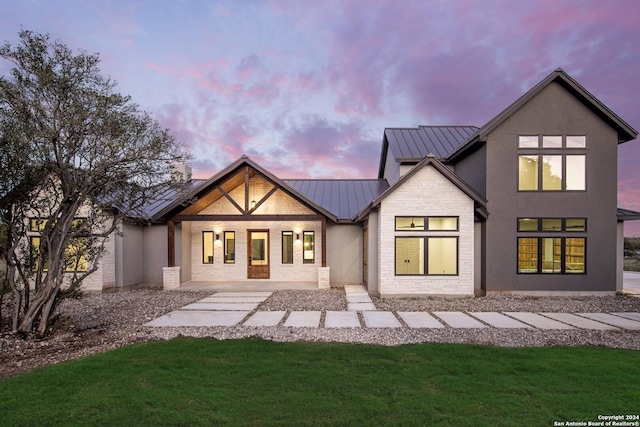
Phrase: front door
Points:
(258, 252)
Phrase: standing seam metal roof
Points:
(344, 198)
(417, 143)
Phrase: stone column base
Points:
(170, 278)
(323, 278)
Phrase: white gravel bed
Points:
(97, 323)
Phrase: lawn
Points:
(190, 382)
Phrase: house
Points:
(524, 204)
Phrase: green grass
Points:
(190, 382)
(631, 264)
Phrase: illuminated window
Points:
(551, 163)
(229, 247)
(308, 247)
(287, 247)
(207, 247)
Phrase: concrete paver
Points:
(221, 306)
(341, 319)
(199, 318)
(610, 319)
(629, 315)
(457, 319)
(358, 297)
(498, 320)
(361, 306)
(419, 319)
(265, 318)
(303, 319)
(578, 321)
(223, 299)
(538, 321)
(380, 319)
(244, 294)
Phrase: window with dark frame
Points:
(308, 247)
(229, 247)
(426, 223)
(546, 252)
(551, 163)
(207, 247)
(426, 255)
(287, 247)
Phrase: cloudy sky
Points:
(306, 87)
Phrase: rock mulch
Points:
(98, 323)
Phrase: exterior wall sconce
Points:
(217, 236)
(297, 236)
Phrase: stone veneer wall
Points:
(427, 193)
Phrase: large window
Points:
(552, 163)
(438, 254)
(552, 248)
(287, 247)
(308, 247)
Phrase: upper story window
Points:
(552, 163)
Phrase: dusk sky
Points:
(305, 88)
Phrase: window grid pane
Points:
(409, 255)
(528, 142)
(207, 247)
(576, 173)
(287, 247)
(528, 173)
(528, 224)
(308, 247)
(576, 141)
(409, 223)
(551, 173)
(442, 253)
(527, 255)
(552, 142)
(575, 254)
(229, 247)
(444, 223)
(551, 255)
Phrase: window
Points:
(552, 253)
(287, 247)
(75, 259)
(207, 247)
(409, 223)
(229, 247)
(550, 163)
(433, 223)
(552, 224)
(443, 223)
(308, 247)
(440, 257)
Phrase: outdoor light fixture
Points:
(253, 204)
(217, 236)
(297, 236)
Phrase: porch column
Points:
(324, 242)
(171, 243)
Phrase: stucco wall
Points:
(132, 258)
(344, 253)
(155, 253)
(426, 193)
(552, 112)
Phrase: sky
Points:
(305, 88)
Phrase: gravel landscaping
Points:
(97, 323)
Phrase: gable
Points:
(242, 189)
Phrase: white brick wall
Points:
(427, 193)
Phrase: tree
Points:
(77, 158)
